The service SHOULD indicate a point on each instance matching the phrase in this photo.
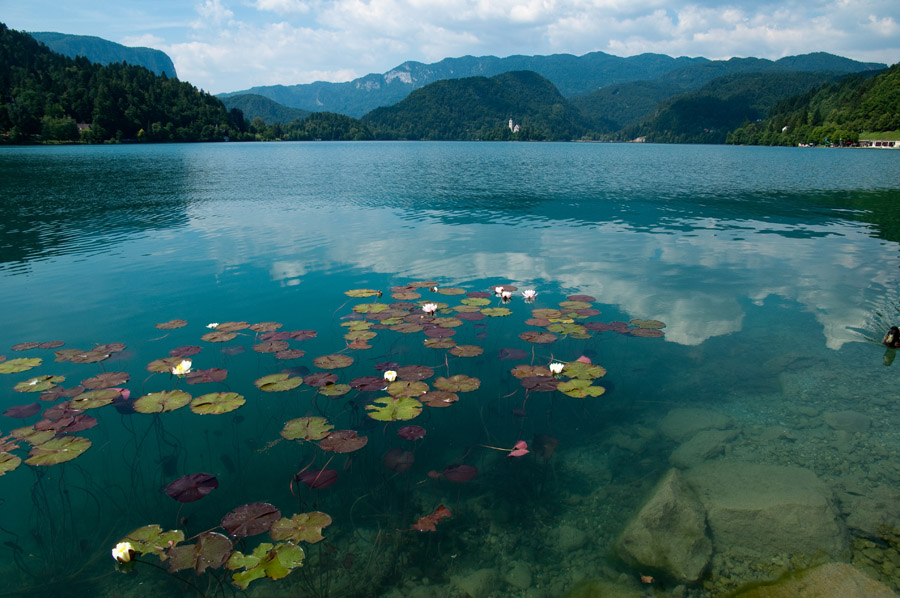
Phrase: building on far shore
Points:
(880, 143)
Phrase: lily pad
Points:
(206, 376)
(584, 371)
(368, 383)
(8, 462)
(394, 408)
(171, 324)
(343, 441)
(406, 328)
(569, 329)
(652, 324)
(646, 332)
(457, 383)
(440, 343)
(218, 336)
(439, 398)
(31, 436)
(159, 402)
(406, 295)
(318, 479)
(265, 326)
(412, 373)
(333, 362)
(584, 298)
(334, 390)
(466, 351)
(525, 371)
(22, 364)
(496, 312)
(407, 388)
(192, 487)
(58, 450)
(476, 301)
(580, 389)
(360, 335)
(547, 314)
(302, 527)
(306, 428)
(278, 382)
(271, 346)
(211, 551)
(534, 336)
(451, 291)
(106, 380)
(216, 403)
(94, 399)
(540, 383)
(359, 293)
(232, 326)
(411, 432)
(303, 335)
(369, 308)
(439, 332)
(151, 539)
(320, 379)
(58, 392)
(164, 365)
(574, 305)
(22, 411)
(274, 562)
(290, 354)
(251, 519)
(25, 346)
(38, 384)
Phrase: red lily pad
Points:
(303, 335)
(25, 346)
(534, 336)
(232, 326)
(192, 487)
(218, 336)
(646, 332)
(439, 398)
(411, 432)
(343, 441)
(439, 332)
(318, 479)
(540, 383)
(106, 380)
(58, 392)
(265, 326)
(428, 522)
(290, 354)
(272, 346)
(171, 324)
(584, 298)
(320, 379)
(466, 351)
(206, 376)
(22, 411)
(460, 473)
(333, 362)
(251, 519)
(471, 316)
(368, 383)
(413, 373)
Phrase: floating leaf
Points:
(422, 284)
(439, 398)
(368, 383)
(406, 388)
(38, 384)
(67, 425)
(278, 382)
(22, 411)
(604, 327)
(540, 383)
(171, 324)
(406, 328)
(534, 336)
(369, 308)
(646, 332)
(358, 293)
(439, 332)
(411, 432)
(266, 326)
(271, 346)
(343, 441)
(94, 399)
(58, 450)
(274, 562)
(574, 305)
(192, 487)
(412, 373)
(406, 295)
(460, 473)
(232, 326)
(159, 402)
(302, 527)
(584, 298)
(216, 403)
(451, 291)
(652, 324)
(151, 539)
(496, 312)
(467, 351)
(303, 335)
(584, 371)
(428, 523)
(211, 551)
(251, 519)
(106, 380)
(526, 371)
(206, 376)
(476, 301)
(318, 479)
(458, 383)
(22, 364)
(290, 354)
(25, 346)
(218, 336)
(334, 390)
(440, 343)
(333, 362)
(306, 428)
(580, 389)
(360, 335)
(8, 462)
(394, 408)
(548, 314)
(164, 365)
(58, 392)
(31, 436)
(320, 379)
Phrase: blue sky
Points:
(231, 45)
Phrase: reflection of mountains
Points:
(72, 201)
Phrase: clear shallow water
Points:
(770, 268)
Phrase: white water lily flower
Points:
(498, 290)
(213, 325)
(506, 295)
(430, 308)
(556, 367)
(529, 295)
(390, 375)
(182, 368)
(123, 552)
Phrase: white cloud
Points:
(283, 7)
(212, 13)
(147, 40)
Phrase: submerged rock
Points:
(701, 447)
(832, 580)
(765, 510)
(596, 588)
(476, 583)
(668, 534)
(682, 423)
(848, 421)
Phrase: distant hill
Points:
(572, 75)
(834, 113)
(104, 51)
(480, 108)
(257, 106)
(709, 113)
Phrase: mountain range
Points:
(102, 51)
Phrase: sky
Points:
(232, 45)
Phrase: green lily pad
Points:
(537, 337)
(151, 539)
(333, 362)
(211, 551)
(466, 351)
(159, 402)
(58, 450)
(527, 371)
(407, 388)
(394, 409)
(39, 384)
(357, 325)
(274, 562)
(547, 314)
(444, 342)
(580, 389)
(302, 527)
(93, 399)
(8, 462)
(369, 308)
(451, 291)
(406, 328)
(334, 390)
(476, 301)
(216, 403)
(306, 428)
(31, 436)
(360, 335)
(574, 304)
(278, 382)
(358, 293)
(496, 312)
(569, 329)
(584, 371)
(218, 336)
(343, 441)
(652, 324)
(106, 380)
(271, 346)
(458, 383)
(22, 364)
(406, 295)
(266, 326)
(164, 365)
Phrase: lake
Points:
(718, 312)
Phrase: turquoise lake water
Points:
(759, 280)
